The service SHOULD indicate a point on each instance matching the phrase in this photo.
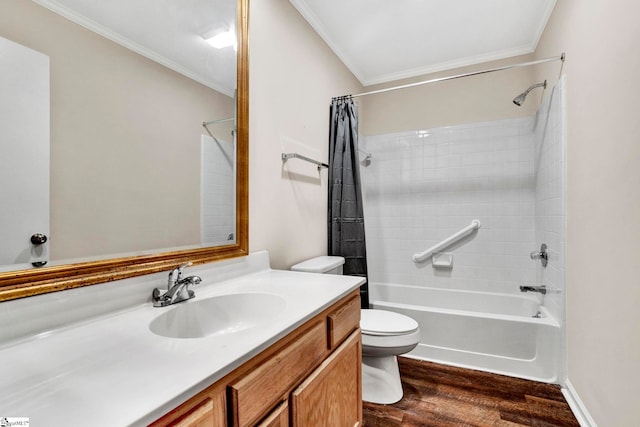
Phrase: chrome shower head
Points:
(519, 100)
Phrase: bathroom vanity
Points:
(312, 377)
(90, 356)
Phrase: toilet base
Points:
(381, 380)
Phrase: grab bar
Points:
(286, 156)
(419, 257)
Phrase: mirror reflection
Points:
(118, 129)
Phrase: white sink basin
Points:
(224, 314)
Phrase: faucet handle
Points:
(176, 274)
(181, 268)
(542, 255)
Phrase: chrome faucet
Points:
(177, 288)
(542, 289)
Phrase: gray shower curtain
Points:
(346, 215)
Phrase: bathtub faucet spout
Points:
(541, 289)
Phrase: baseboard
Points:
(575, 403)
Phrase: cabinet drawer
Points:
(209, 409)
(253, 396)
(278, 418)
(343, 321)
(200, 416)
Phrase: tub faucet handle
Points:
(542, 255)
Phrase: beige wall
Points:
(293, 75)
(125, 139)
(473, 99)
(601, 40)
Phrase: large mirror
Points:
(123, 139)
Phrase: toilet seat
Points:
(386, 323)
(387, 345)
(386, 333)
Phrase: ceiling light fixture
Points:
(222, 40)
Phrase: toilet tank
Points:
(321, 264)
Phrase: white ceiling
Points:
(166, 31)
(385, 40)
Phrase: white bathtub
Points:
(491, 332)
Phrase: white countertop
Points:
(112, 370)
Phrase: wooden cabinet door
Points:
(332, 394)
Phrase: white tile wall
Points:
(423, 186)
(218, 191)
(549, 155)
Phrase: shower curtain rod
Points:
(213, 122)
(457, 76)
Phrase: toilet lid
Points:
(382, 322)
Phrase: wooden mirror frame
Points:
(25, 283)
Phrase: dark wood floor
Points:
(444, 396)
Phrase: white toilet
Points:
(385, 335)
